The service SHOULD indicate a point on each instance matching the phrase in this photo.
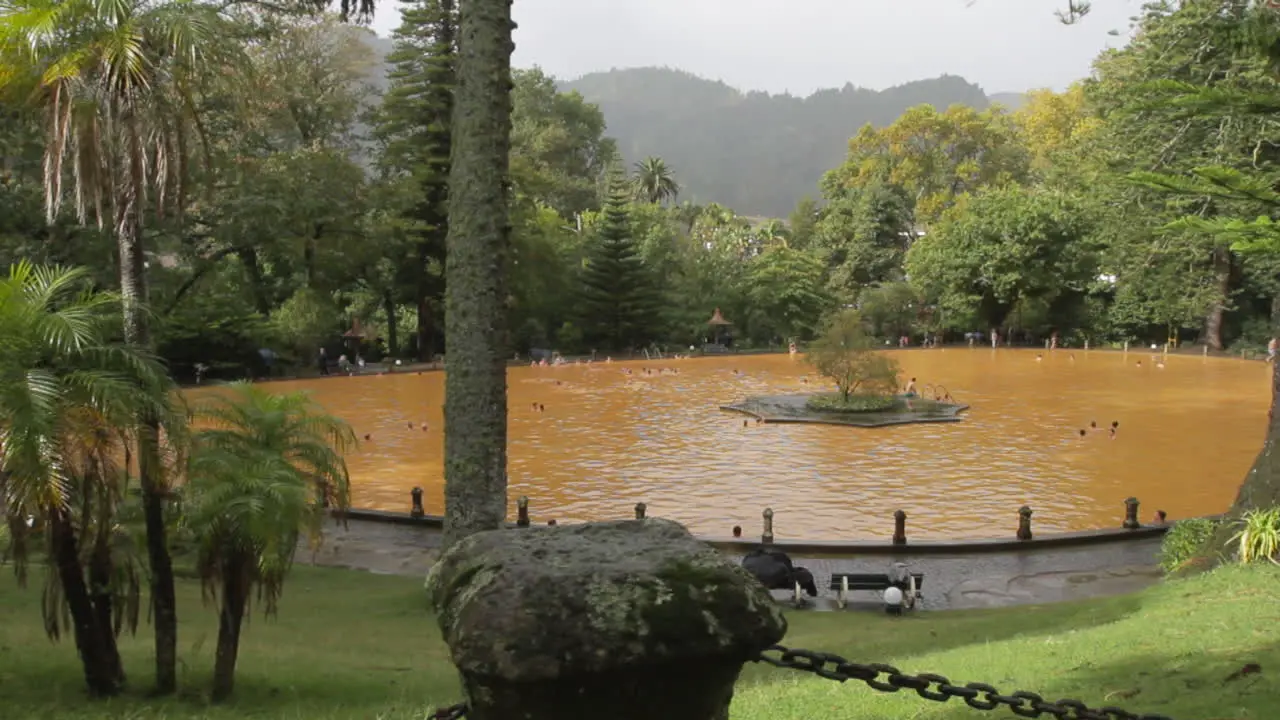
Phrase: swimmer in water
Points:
(1083, 432)
(737, 531)
(1039, 357)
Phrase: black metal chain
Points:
(929, 686)
(979, 696)
(453, 712)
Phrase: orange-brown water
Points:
(607, 440)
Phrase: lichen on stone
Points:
(539, 603)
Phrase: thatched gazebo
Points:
(717, 323)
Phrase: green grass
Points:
(354, 645)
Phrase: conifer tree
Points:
(415, 127)
(620, 301)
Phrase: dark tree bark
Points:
(95, 642)
(393, 334)
(137, 332)
(1222, 272)
(235, 600)
(479, 241)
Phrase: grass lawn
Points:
(355, 645)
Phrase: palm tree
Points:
(654, 181)
(260, 478)
(479, 246)
(115, 82)
(69, 402)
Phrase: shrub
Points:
(1184, 542)
(845, 354)
(1259, 535)
(852, 404)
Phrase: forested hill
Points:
(754, 152)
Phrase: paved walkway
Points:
(950, 581)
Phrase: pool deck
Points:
(951, 581)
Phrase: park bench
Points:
(843, 583)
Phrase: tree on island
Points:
(846, 354)
(619, 297)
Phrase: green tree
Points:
(115, 82)
(559, 153)
(865, 233)
(619, 297)
(787, 293)
(476, 286)
(1003, 248)
(416, 125)
(654, 181)
(69, 402)
(261, 475)
(846, 354)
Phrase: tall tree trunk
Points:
(235, 600)
(101, 596)
(479, 242)
(393, 333)
(1222, 268)
(137, 331)
(426, 323)
(95, 643)
(261, 302)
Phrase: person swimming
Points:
(737, 531)
(1083, 432)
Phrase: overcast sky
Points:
(803, 45)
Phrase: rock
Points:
(627, 620)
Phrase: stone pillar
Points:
(522, 512)
(640, 510)
(767, 536)
(1024, 523)
(632, 621)
(899, 527)
(1131, 521)
(416, 496)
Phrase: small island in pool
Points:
(828, 409)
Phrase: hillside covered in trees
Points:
(754, 152)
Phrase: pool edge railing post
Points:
(1131, 521)
(522, 512)
(899, 527)
(767, 536)
(1024, 523)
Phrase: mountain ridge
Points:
(756, 152)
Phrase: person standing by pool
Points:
(911, 389)
(322, 360)
(1271, 349)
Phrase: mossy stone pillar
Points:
(629, 620)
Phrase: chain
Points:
(453, 712)
(929, 686)
(937, 688)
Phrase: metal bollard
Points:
(416, 495)
(767, 536)
(1131, 514)
(640, 509)
(522, 512)
(1024, 523)
(899, 527)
